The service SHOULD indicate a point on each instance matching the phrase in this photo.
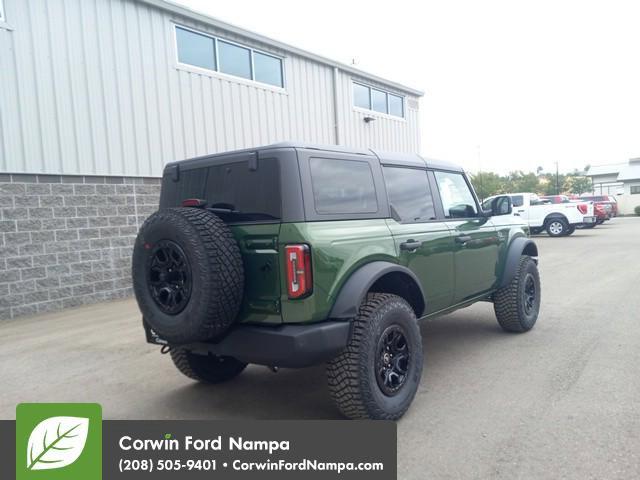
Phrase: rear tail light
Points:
(299, 275)
(194, 202)
(583, 208)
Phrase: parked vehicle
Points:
(291, 255)
(599, 208)
(608, 201)
(556, 198)
(558, 219)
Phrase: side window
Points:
(457, 199)
(342, 186)
(517, 200)
(409, 194)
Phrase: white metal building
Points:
(621, 180)
(120, 87)
(97, 96)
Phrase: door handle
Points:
(463, 239)
(410, 245)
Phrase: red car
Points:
(609, 200)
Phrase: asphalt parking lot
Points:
(562, 401)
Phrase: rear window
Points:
(236, 192)
(342, 186)
(517, 200)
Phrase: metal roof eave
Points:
(187, 12)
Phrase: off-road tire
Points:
(556, 227)
(509, 303)
(352, 374)
(206, 368)
(216, 271)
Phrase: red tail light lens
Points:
(299, 275)
(583, 208)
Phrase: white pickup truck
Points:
(558, 219)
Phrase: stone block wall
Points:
(67, 240)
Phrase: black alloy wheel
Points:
(392, 360)
(529, 293)
(169, 277)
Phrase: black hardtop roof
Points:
(386, 158)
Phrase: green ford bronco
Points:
(292, 255)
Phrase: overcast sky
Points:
(508, 84)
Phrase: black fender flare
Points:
(360, 282)
(518, 247)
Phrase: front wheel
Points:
(377, 375)
(517, 305)
(206, 368)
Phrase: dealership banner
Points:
(69, 441)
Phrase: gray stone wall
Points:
(67, 240)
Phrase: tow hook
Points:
(165, 349)
(273, 368)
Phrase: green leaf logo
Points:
(56, 442)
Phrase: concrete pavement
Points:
(562, 401)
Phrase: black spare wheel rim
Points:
(169, 277)
(529, 294)
(392, 360)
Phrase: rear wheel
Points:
(206, 368)
(377, 375)
(517, 305)
(557, 227)
(571, 230)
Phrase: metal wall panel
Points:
(93, 87)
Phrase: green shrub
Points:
(637, 210)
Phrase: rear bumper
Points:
(290, 346)
(589, 220)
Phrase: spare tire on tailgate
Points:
(187, 274)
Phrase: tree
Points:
(548, 183)
(578, 184)
(487, 183)
(519, 181)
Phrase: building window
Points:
(377, 100)
(635, 189)
(234, 60)
(211, 53)
(361, 96)
(195, 49)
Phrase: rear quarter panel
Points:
(338, 248)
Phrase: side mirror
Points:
(500, 205)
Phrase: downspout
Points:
(336, 116)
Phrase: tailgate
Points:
(259, 248)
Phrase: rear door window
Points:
(518, 200)
(236, 191)
(342, 186)
(409, 194)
